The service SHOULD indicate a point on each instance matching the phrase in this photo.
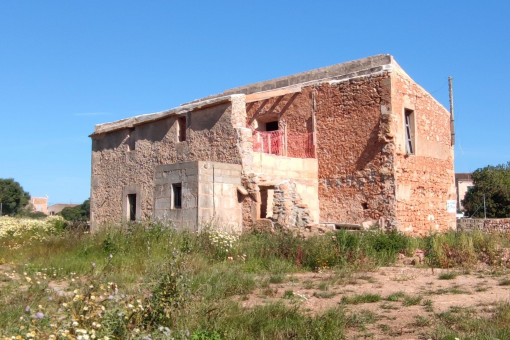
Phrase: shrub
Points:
(463, 248)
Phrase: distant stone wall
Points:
(488, 225)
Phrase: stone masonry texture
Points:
(359, 172)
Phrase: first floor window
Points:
(181, 129)
(409, 127)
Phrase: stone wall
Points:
(355, 158)
(300, 186)
(165, 177)
(293, 111)
(361, 172)
(289, 208)
(126, 159)
(209, 195)
(425, 179)
(219, 200)
(488, 225)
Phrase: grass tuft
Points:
(448, 276)
(504, 282)
(362, 298)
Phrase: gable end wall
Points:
(425, 180)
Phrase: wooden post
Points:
(314, 136)
(269, 145)
(285, 140)
(452, 125)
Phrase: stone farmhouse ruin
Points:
(357, 143)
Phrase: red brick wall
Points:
(425, 180)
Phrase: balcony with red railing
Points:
(284, 143)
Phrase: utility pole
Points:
(0, 209)
(452, 126)
(484, 208)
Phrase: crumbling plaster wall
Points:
(210, 136)
(425, 180)
(355, 150)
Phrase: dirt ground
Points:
(404, 298)
(418, 295)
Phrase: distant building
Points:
(463, 181)
(56, 208)
(39, 204)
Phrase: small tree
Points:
(78, 213)
(12, 196)
(494, 183)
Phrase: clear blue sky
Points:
(68, 65)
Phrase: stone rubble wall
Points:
(210, 136)
(288, 207)
(356, 166)
(425, 180)
(355, 161)
(361, 173)
(270, 171)
(488, 225)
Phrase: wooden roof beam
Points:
(254, 97)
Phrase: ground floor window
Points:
(177, 196)
(131, 207)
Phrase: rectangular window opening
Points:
(131, 207)
(263, 202)
(181, 129)
(131, 141)
(177, 196)
(409, 127)
(266, 201)
(272, 126)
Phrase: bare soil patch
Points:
(407, 299)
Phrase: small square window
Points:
(177, 196)
(410, 131)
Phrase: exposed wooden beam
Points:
(254, 97)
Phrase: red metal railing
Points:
(291, 144)
(271, 142)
